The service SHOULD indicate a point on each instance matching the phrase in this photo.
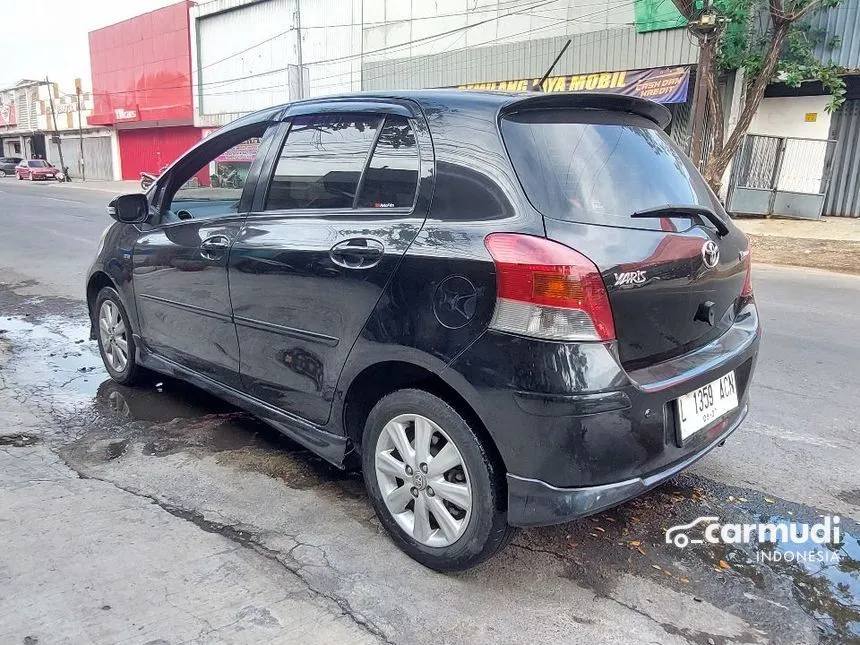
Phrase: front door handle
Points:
(213, 247)
(357, 253)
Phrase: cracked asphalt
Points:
(161, 515)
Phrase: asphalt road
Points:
(187, 500)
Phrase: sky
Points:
(49, 37)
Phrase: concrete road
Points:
(158, 514)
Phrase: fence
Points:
(784, 176)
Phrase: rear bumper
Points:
(577, 433)
(532, 502)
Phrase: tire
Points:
(20, 178)
(2, 173)
(121, 365)
(469, 536)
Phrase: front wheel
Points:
(433, 483)
(2, 173)
(116, 343)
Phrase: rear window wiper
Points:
(674, 209)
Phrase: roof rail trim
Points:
(590, 100)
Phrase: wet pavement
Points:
(167, 431)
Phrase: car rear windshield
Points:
(38, 163)
(599, 167)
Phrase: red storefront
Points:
(141, 70)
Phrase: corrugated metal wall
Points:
(843, 193)
(148, 149)
(97, 155)
(842, 22)
(607, 50)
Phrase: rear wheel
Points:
(116, 343)
(2, 173)
(433, 483)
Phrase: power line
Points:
(406, 61)
(359, 55)
(464, 29)
(340, 75)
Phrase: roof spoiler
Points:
(591, 100)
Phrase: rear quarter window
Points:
(600, 167)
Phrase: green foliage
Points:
(748, 34)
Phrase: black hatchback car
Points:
(507, 309)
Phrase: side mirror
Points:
(130, 209)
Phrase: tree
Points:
(770, 40)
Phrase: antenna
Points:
(539, 87)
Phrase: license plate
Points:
(700, 407)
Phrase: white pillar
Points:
(735, 107)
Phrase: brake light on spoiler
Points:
(548, 290)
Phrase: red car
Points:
(34, 169)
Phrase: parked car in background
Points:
(34, 169)
(507, 309)
(8, 164)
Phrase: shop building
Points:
(38, 119)
(248, 54)
(141, 71)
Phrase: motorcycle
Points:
(147, 179)
(226, 177)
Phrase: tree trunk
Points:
(722, 155)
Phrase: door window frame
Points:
(423, 187)
(197, 157)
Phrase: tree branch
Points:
(797, 15)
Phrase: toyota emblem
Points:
(710, 254)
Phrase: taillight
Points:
(747, 290)
(548, 290)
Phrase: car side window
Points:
(391, 178)
(321, 161)
(212, 188)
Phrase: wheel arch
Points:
(381, 378)
(96, 282)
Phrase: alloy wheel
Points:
(114, 335)
(424, 480)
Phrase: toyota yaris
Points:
(507, 309)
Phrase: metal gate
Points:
(97, 156)
(783, 176)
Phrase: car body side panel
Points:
(297, 311)
(442, 296)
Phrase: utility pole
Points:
(80, 130)
(56, 131)
(702, 24)
(299, 49)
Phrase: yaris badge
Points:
(710, 254)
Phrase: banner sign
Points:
(7, 114)
(663, 85)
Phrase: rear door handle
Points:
(213, 247)
(357, 253)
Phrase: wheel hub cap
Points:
(423, 480)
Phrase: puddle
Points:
(54, 355)
(806, 599)
(825, 578)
